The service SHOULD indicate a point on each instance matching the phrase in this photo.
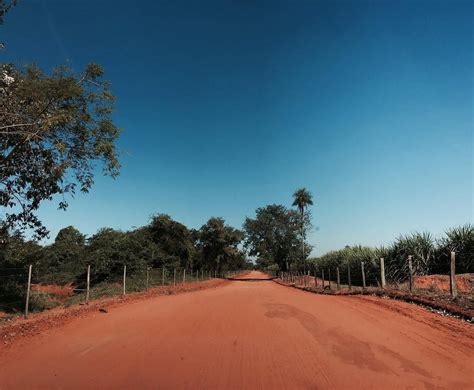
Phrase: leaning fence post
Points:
(88, 283)
(349, 276)
(454, 290)
(363, 274)
(410, 270)
(382, 272)
(338, 278)
(28, 288)
(124, 279)
(147, 277)
(174, 277)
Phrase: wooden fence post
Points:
(349, 276)
(28, 288)
(454, 290)
(184, 275)
(382, 272)
(363, 274)
(174, 277)
(124, 279)
(322, 277)
(88, 283)
(338, 280)
(329, 277)
(410, 271)
(147, 277)
(163, 276)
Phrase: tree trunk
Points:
(302, 238)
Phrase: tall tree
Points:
(302, 199)
(218, 245)
(272, 236)
(54, 130)
(64, 259)
(174, 241)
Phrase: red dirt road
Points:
(248, 335)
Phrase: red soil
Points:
(58, 292)
(464, 282)
(253, 335)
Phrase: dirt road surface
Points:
(248, 335)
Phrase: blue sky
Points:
(227, 106)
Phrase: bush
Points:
(460, 240)
(428, 257)
(40, 301)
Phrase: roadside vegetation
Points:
(430, 255)
(162, 252)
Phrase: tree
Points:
(16, 254)
(109, 250)
(273, 236)
(5, 6)
(54, 130)
(174, 242)
(63, 260)
(218, 245)
(302, 199)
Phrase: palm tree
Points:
(302, 199)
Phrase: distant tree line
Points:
(164, 242)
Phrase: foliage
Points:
(421, 246)
(217, 244)
(461, 241)
(303, 199)
(15, 255)
(273, 236)
(5, 6)
(63, 260)
(109, 250)
(428, 256)
(40, 301)
(174, 242)
(350, 257)
(54, 130)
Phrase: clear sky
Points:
(227, 106)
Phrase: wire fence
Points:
(33, 288)
(360, 276)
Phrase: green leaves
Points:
(429, 256)
(217, 244)
(54, 130)
(302, 199)
(273, 236)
